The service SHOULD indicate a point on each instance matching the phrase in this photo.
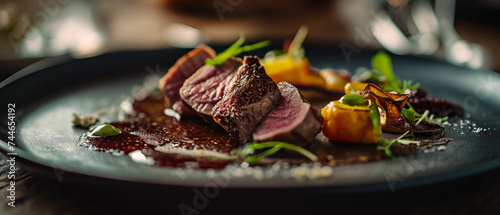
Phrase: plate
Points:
(46, 95)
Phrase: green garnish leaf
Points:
(252, 47)
(235, 50)
(411, 109)
(436, 120)
(382, 72)
(408, 84)
(408, 114)
(424, 116)
(411, 134)
(408, 142)
(249, 149)
(105, 131)
(375, 116)
(382, 63)
(386, 145)
(353, 100)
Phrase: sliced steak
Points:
(205, 88)
(293, 120)
(171, 82)
(183, 109)
(251, 96)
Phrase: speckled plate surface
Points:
(47, 93)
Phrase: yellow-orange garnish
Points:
(346, 123)
(354, 87)
(292, 70)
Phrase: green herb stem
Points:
(297, 41)
(410, 108)
(387, 144)
(375, 116)
(234, 50)
(274, 147)
(300, 150)
(424, 115)
(252, 47)
(253, 159)
(382, 63)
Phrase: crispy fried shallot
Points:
(390, 116)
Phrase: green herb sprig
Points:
(247, 152)
(386, 144)
(375, 116)
(234, 50)
(382, 66)
(275, 146)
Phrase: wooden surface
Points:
(34, 195)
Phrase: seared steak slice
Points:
(292, 120)
(252, 95)
(205, 88)
(171, 82)
(183, 109)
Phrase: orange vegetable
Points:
(354, 87)
(293, 70)
(345, 123)
(335, 80)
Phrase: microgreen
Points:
(411, 109)
(250, 148)
(382, 71)
(234, 50)
(386, 145)
(408, 84)
(375, 116)
(424, 116)
(408, 114)
(408, 142)
(382, 63)
(436, 120)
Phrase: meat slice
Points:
(251, 96)
(183, 109)
(293, 120)
(207, 86)
(171, 82)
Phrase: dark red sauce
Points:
(148, 127)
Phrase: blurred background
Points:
(462, 32)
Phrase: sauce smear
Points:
(147, 128)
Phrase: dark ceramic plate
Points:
(47, 93)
